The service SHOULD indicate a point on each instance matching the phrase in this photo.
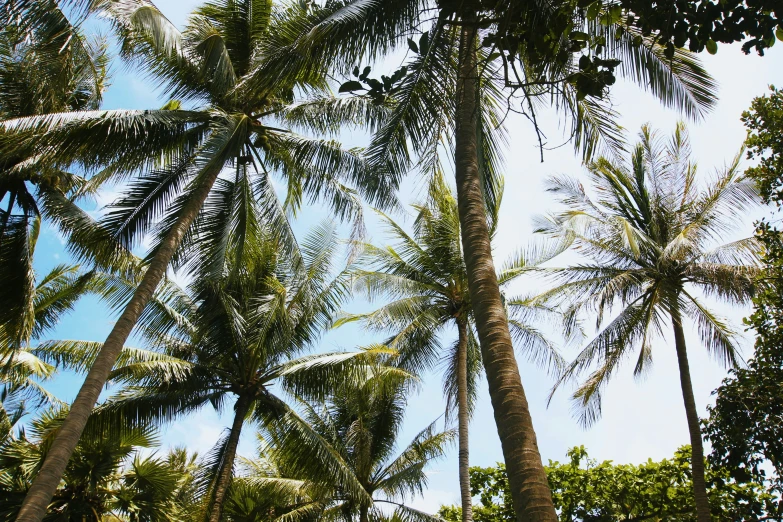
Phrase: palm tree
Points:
(360, 422)
(425, 279)
(45, 303)
(48, 67)
(237, 338)
(106, 479)
(229, 125)
(44, 68)
(651, 238)
(447, 96)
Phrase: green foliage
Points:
(585, 490)
(764, 120)
(226, 125)
(105, 479)
(377, 90)
(572, 81)
(31, 308)
(745, 426)
(237, 336)
(756, 23)
(552, 39)
(45, 67)
(540, 45)
(359, 424)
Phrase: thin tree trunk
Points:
(697, 448)
(48, 478)
(463, 419)
(364, 513)
(532, 497)
(227, 469)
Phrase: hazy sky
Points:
(641, 419)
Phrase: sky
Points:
(642, 418)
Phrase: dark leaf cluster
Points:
(745, 427)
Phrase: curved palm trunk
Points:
(226, 472)
(463, 418)
(48, 478)
(532, 497)
(697, 448)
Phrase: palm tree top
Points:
(360, 423)
(652, 241)
(664, 216)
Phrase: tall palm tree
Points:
(425, 279)
(106, 478)
(651, 238)
(237, 338)
(444, 95)
(360, 422)
(182, 152)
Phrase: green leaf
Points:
(779, 33)
(615, 14)
(424, 42)
(712, 47)
(579, 36)
(351, 86)
(412, 45)
(172, 105)
(593, 10)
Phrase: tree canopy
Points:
(585, 490)
(745, 426)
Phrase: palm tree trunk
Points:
(463, 420)
(227, 469)
(532, 497)
(48, 478)
(364, 513)
(697, 448)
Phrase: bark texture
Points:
(531, 495)
(697, 447)
(227, 469)
(463, 420)
(48, 478)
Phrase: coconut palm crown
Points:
(235, 340)
(360, 421)
(652, 244)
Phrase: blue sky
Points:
(641, 419)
